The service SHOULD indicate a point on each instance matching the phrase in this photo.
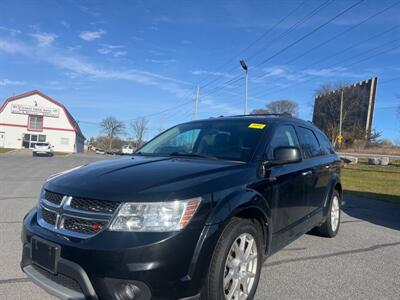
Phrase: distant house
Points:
(34, 117)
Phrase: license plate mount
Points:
(45, 254)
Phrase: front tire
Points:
(331, 226)
(236, 263)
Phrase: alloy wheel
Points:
(240, 268)
(335, 212)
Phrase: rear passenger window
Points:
(326, 146)
(284, 136)
(309, 143)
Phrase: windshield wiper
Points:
(177, 153)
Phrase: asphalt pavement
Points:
(362, 262)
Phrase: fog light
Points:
(129, 291)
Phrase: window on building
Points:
(35, 123)
(42, 138)
(64, 141)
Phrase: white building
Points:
(35, 117)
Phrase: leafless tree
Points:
(139, 127)
(278, 107)
(283, 106)
(111, 127)
(259, 111)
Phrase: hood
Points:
(145, 178)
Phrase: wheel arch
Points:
(247, 204)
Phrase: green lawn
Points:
(377, 182)
(4, 150)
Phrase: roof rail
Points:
(285, 114)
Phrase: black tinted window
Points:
(309, 143)
(284, 136)
(326, 146)
(225, 139)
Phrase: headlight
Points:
(155, 216)
(63, 172)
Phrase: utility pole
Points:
(196, 103)
(340, 137)
(246, 79)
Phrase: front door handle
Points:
(306, 173)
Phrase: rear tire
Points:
(331, 226)
(236, 263)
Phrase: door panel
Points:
(318, 182)
(289, 193)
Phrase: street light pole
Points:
(246, 80)
(196, 103)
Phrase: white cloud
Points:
(119, 53)
(114, 50)
(5, 81)
(44, 39)
(65, 24)
(162, 61)
(92, 35)
(203, 72)
(75, 66)
(11, 31)
(284, 72)
(221, 108)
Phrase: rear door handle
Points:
(306, 173)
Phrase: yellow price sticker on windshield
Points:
(257, 125)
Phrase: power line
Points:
(310, 33)
(337, 64)
(294, 26)
(265, 33)
(343, 32)
(312, 76)
(286, 32)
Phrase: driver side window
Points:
(181, 142)
(284, 136)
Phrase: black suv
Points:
(192, 215)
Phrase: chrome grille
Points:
(75, 216)
(49, 216)
(94, 205)
(82, 225)
(54, 198)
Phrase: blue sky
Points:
(144, 58)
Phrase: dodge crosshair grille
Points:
(74, 216)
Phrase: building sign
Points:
(23, 109)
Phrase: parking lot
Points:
(362, 262)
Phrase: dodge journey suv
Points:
(192, 214)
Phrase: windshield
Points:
(230, 140)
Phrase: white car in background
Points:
(100, 151)
(43, 149)
(127, 149)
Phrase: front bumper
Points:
(42, 151)
(160, 265)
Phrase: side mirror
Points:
(285, 155)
